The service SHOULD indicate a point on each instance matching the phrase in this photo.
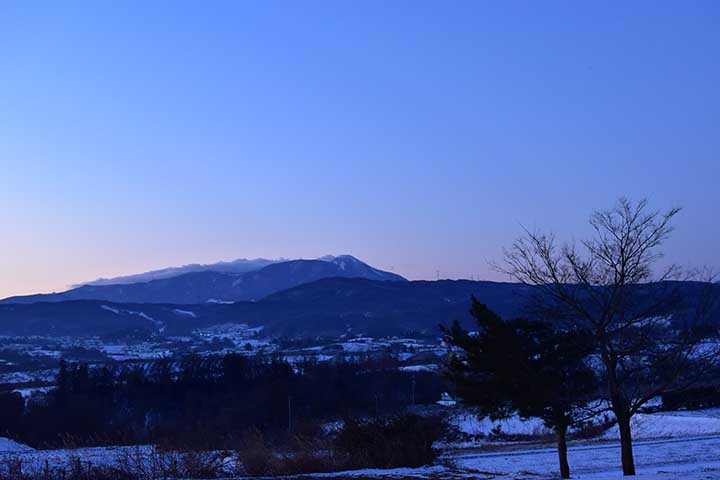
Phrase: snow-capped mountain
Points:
(220, 286)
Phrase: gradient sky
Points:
(415, 135)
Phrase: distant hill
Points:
(326, 307)
(338, 305)
(330, 306)
(335, 306)
(213, 286)
(92, 317)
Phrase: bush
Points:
(156, 463)
(137, 464)
(255, 455)
(398, 441)
(301, 455)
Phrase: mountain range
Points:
(223, 282)
(329, 296)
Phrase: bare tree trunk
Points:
(628, 463)
(561, 432)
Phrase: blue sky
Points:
(415, 135)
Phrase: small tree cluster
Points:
(651, 333)
(208, 402)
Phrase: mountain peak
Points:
(337, 259)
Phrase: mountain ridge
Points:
(208, 285)
(240, 265)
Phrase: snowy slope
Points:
(7, 445)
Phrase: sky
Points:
(416, 135)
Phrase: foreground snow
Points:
(669, 445)
(11, 446)
(686, 458)
(671, 424)
(36, 460)
(694, 457)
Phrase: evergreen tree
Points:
(524, 367)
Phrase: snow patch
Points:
(28, 392)
(471, 424)
(7, 445)
(160, 325)
(419, 368)
(671, 424)
(215, 300)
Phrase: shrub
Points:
(301, 455)
(136, 464)
(398, 441)
(155, 463)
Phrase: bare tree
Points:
(651, 330)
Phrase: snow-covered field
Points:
(644, 426)
(689, 458)
(669, 445)
(672, 424)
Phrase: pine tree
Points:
(524, 367)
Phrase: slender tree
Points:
(525, 367)
(650, 330)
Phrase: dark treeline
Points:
(211, 401)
